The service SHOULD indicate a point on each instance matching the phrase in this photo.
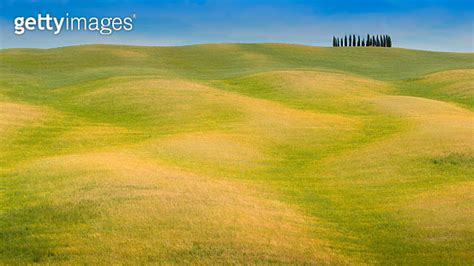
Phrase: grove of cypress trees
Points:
(378, 40)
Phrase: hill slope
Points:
(260, 153)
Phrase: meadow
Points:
(236, 153)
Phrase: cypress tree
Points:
(354, 40)
(389, 41)
(363, 43)
(341, 43)
(345, 40)
(358, 40)
(333, 41)
(368, 40)
(350, 40)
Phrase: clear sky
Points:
(441, 25)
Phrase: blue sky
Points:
(439, 25)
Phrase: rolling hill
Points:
(236, 153)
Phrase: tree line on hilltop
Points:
(374, 40)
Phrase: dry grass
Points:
(15, 115)
(169, 214)
(445, 212)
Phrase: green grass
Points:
(236, 153)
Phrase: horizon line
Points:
(229, 43)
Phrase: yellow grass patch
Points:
(440, 126)
(455, 82)
(416, 107)
(211, 146)
(94, 132)
(322, 83)
(163, 214)
(450, 76)
(445, 213)
(15, 115)
(147, 87)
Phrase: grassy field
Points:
(236, 153)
